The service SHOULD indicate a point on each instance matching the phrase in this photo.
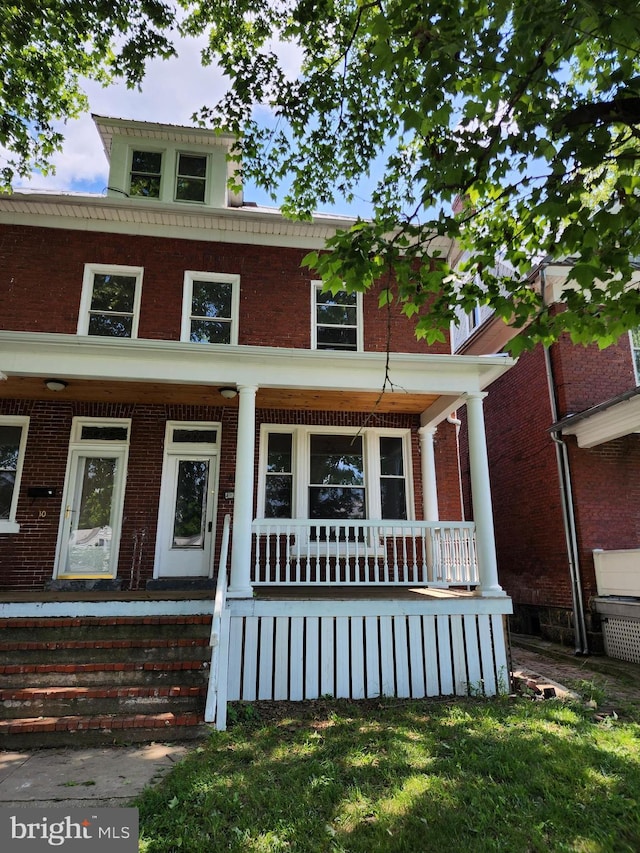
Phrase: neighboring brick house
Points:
(564, 455)
(166, 362)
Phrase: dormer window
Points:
(146, 172)
(191, 177)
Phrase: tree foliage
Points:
(528, 110)
(48, 46)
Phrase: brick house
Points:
(168, 364)
(564, 454)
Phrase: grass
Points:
(416, 776)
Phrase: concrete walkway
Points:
(99, 777)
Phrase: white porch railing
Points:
(364, 553)
(216, 703)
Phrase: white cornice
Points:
(110, 127)
(106, 359)
(261, 226)
(614, 422)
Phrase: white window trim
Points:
(193, 275)
(80, 422)
(91, 445)
(634, 357)
(207, 171)
(300, 465)
(90, 270)
(182, 447)
(10, 525)
(163, 168)
(316, 287)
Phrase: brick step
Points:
(102, 680)
(105, 628)
(100, 701)
(162, 673)
(100, 650)
(75, 730)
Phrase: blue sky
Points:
(172, 91)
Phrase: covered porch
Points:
(393, 595)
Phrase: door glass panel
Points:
(92, 527)
(191, 503)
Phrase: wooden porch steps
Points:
(102, 680)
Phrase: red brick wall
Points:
(41, 271)
(530, 538)
(27, 558)
(587, 376)
(606, 489)
(530, 541)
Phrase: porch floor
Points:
(266, 593)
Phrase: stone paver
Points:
(618, 680)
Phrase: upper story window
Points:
(13, 439)
(210, 308)
(146, 173)
(336, 319)
(635, 349)
(191, 177)
(110, 303)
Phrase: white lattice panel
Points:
(622, 638)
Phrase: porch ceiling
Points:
(80, 390)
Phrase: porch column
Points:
(428, 467)
(240, 582)
(481, 497)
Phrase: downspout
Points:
(568, 509)
(455, 420)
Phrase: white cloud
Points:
(172, 91)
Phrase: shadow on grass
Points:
(404, 776)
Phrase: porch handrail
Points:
(216, 703)
(364, 552)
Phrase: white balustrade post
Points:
(481, 497)
(240, 582)
(428, 467)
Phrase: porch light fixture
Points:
(229, 393)
(55, 384)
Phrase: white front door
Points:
(93, 501)
(186, 523)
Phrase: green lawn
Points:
(505, 775)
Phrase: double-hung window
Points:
(308, 472)
(191, 177)
(210, 308)
(13, 439)
(110, 303)
(336, 319)
(146, 174)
